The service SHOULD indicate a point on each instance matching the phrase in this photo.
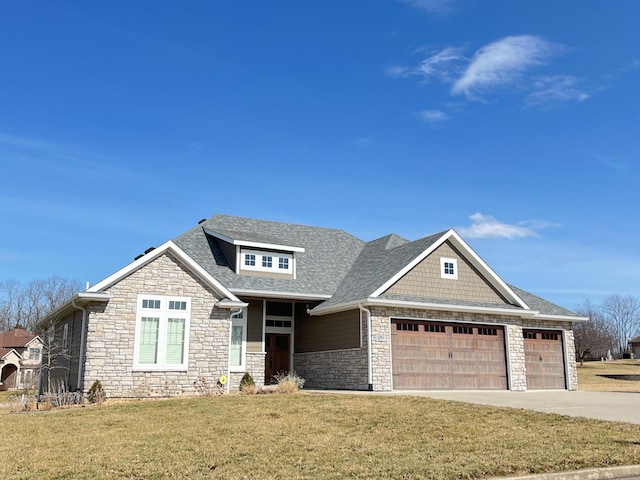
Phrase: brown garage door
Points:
(544, 359)
(434, 356)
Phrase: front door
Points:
(278, 350)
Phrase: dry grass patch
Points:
(306, 436)
(589, 376)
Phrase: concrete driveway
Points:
(621, 407)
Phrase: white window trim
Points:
(275, 261)
(241, 322)
(163, 313)
(449, 276)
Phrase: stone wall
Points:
(338, 369)
(255, 367)
(111, 335)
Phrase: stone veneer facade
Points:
(347, 369)
(111, 338)
(111, 335)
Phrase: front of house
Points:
(235, 295)
(20, 355)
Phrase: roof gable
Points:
(152, 255)
(426, 279)
(469, 255)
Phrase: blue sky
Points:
(517, 123)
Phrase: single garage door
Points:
(544, 359)
(435, 356)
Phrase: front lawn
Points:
(305, 436)
(589, 376)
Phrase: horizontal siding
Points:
(330, 332)
(254, 326)
(425, 280)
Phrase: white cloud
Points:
(555, 88)
(445, 65)
(503, 63)
(433, 116)
(486, 226)
(432, 6)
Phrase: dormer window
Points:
(260, 261)
(449, 268)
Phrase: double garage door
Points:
(437, 355)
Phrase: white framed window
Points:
(162, 333)
(34, 354)
(237, 346)
(449, 268)
(277, 262)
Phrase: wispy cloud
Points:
(487, 226)
(439, 7)
(433, 116)
(505, 65)
(615, 163)
(552, 89)
(363, 142)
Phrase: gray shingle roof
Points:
(379, 260)
(328, 255)
(540, 304)
(334, 263)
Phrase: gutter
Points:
(422, 306)
(369, 347)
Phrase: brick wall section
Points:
(111, 334)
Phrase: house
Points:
(235, 295)
(20, 355)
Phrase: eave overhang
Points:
(79, 299)
(279, 295)
(227, 303)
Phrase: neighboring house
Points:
(235, 295)
(634, 343)
(20, 355)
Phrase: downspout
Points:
(83, 336)
(369, 347)
(231, 314)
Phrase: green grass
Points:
(305, 436)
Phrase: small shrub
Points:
(288, 382)
(247, 385)
(206, 389)
(59, 396)
(96, 393)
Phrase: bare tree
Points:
(623, 313)
(24, 306)
(594, 338)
